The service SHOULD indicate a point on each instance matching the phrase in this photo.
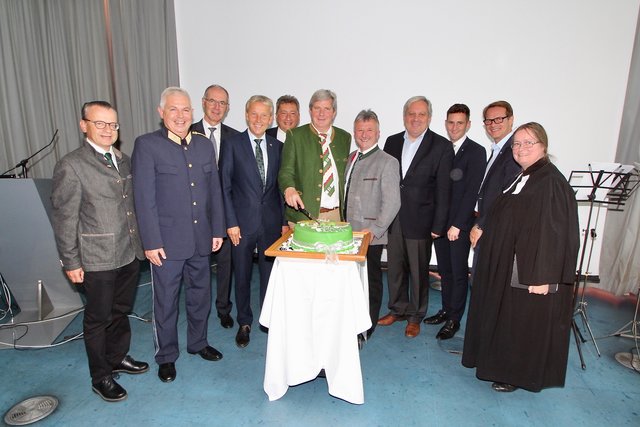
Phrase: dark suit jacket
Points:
(245, 203)
(173, 189)
(273, 132)
(466, 176)
(425, 189)
(502, 173)
(225, 133)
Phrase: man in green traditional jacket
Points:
(314, 159)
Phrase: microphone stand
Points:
(23, 163)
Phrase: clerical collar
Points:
(175, 138)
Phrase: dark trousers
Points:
(374, 271)
(453, 266)
(107, 334)
(195, 272)
(242, 256)
(223, 278)
(408, 274)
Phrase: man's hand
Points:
(475, 235)
(76, 276)
(216, 243)
(434, 235)
(285, 229)
(453, 233)
(234, 235)
(155, 256)
(292, 198)
(540, 289)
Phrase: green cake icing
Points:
(322, 236)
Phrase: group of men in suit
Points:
(191, 190)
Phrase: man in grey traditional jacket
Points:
(96, 233)
(372, 199)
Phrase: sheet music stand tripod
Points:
(610, 188)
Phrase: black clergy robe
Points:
(513, 336)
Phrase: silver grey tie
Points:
(212, 137)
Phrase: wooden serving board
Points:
(277, 250)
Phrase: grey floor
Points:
(407, 382)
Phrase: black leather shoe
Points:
(130, 366)
(436, 319)
(503, 387)
(226, 321)
(167, 372)
(242, 337)
(361, 341)
(108, 389)
(209, 353)
(448, 330)
(264, 329)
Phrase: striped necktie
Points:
(328, 182)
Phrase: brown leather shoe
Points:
(387, 320)
(412, 330)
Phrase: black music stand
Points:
(601, 187)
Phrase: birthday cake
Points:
(322, 236)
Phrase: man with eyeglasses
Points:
(96, 233)
(215, 105)
(501, 168)
(287, 117)
(425, 163)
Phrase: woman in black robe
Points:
(521, 307)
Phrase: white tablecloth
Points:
(314, 311)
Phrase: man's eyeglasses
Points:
(99, 124)
(497, 120)
(524, 144)
(212, 102)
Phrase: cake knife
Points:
(307, 214)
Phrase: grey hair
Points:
(322, 95)
(366, 115)
(214, 86)
(172, 90)
(259, 98)
(416, 99)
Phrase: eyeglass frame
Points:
(496, 120)
(101, 124)
(212, 101)
(524, 144)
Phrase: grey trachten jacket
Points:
(93, 217)
(374, 193)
